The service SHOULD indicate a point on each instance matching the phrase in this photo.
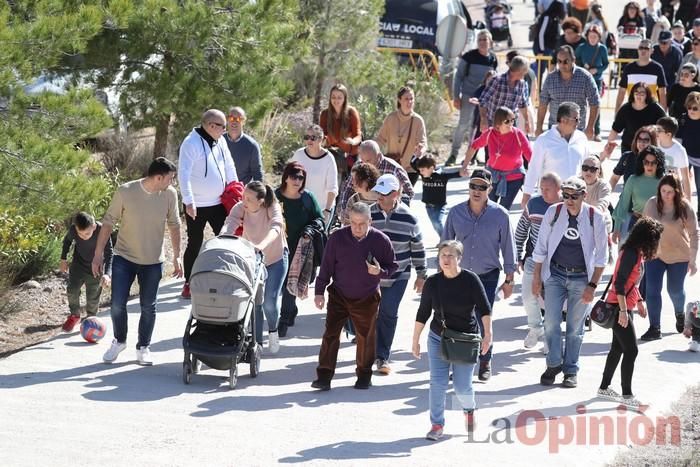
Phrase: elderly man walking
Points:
(561, 150)
(569, 83)
(570, 255)
(396, 221)
(205, 168)
(356, 258)
(485, 231)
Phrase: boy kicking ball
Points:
(83, 233)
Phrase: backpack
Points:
(591, 213)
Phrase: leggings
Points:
(624, 344)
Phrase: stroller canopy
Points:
(233, 256)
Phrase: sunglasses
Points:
(218, 125)
(589, 168)
(644, 140)
(564, 62)
(650, 162)
(696, 42)
(643, 48)
(509, 121)
(571, 196)
(694, 108)
(233, 119)
(573, 119)
(311, 138)
(299, 177)
(478, 187)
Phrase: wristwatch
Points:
(508, 281)
(592, 284)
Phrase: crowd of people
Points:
(358, 192)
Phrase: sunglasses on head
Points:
(311, 138)
(650, 162)
(235, 119)
(478, 187)
(571, 196)
(589, 168)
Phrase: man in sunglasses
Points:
(645, 70)
(569, 83)
(205, 167)
(485, 230)
(570, 255)
(243, 148)
(668, 56)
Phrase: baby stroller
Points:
(497, 15)
(227, 282)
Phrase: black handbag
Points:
(604, 314)
(457, 346)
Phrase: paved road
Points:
(59, 405)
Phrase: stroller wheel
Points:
(186, 372)
(196, 365)
(255, 357)
(233, 376)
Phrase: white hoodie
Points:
(204, 171)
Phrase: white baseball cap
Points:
(386, 184)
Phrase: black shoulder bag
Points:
(604, 314)
(456, 346)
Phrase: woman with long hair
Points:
(640, 109)
(402, 134)
(263, 225)
(679, 91)
(508, 149)
(631, 20)
(651, 166)
(627, 165)
(299, 209)
(677, 253)
(343, 128)
(642, 244)
(453, 296)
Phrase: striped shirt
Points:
(529, 226)
(384, 166)
(402, 229)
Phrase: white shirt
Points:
(203, 171)
(321, 174)
(594, 240)
(553, 153)
(676, 157)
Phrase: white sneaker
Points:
(113, 352)
(143, 355)
(533, 335)
(273, 342)
(694, 346)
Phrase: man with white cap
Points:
(485, 230)
(395, 220)
(570, 256)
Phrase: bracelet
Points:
(592, 284)
(327, 210)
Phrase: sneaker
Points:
(485, 371)
(469, 422)
(435, 433)
(363, 383)
(652, 334)
(609, 394)
(70, 323)
(570, 381)
(186, 291)
(321, 385)
(383, 367)
(680, 322)
(113, 352)
(452, 160)
(273, 342)
(143, 355)
(630, 401)
(533, 335)
(694, 346)
(549, 375)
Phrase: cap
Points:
(481, 174)
(574, 183)
(386, 184)
(678, 24)
(696, 22)
(665, 36)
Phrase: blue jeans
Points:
(530, 301)
(123, 274)
(675, 286)
(513, 187)
(490, 282)
(276, 273)
(462, 375)
(558, 287)
(388, 315)
(437, 216)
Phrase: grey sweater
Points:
(246, 157)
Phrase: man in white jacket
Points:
(205, 168)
